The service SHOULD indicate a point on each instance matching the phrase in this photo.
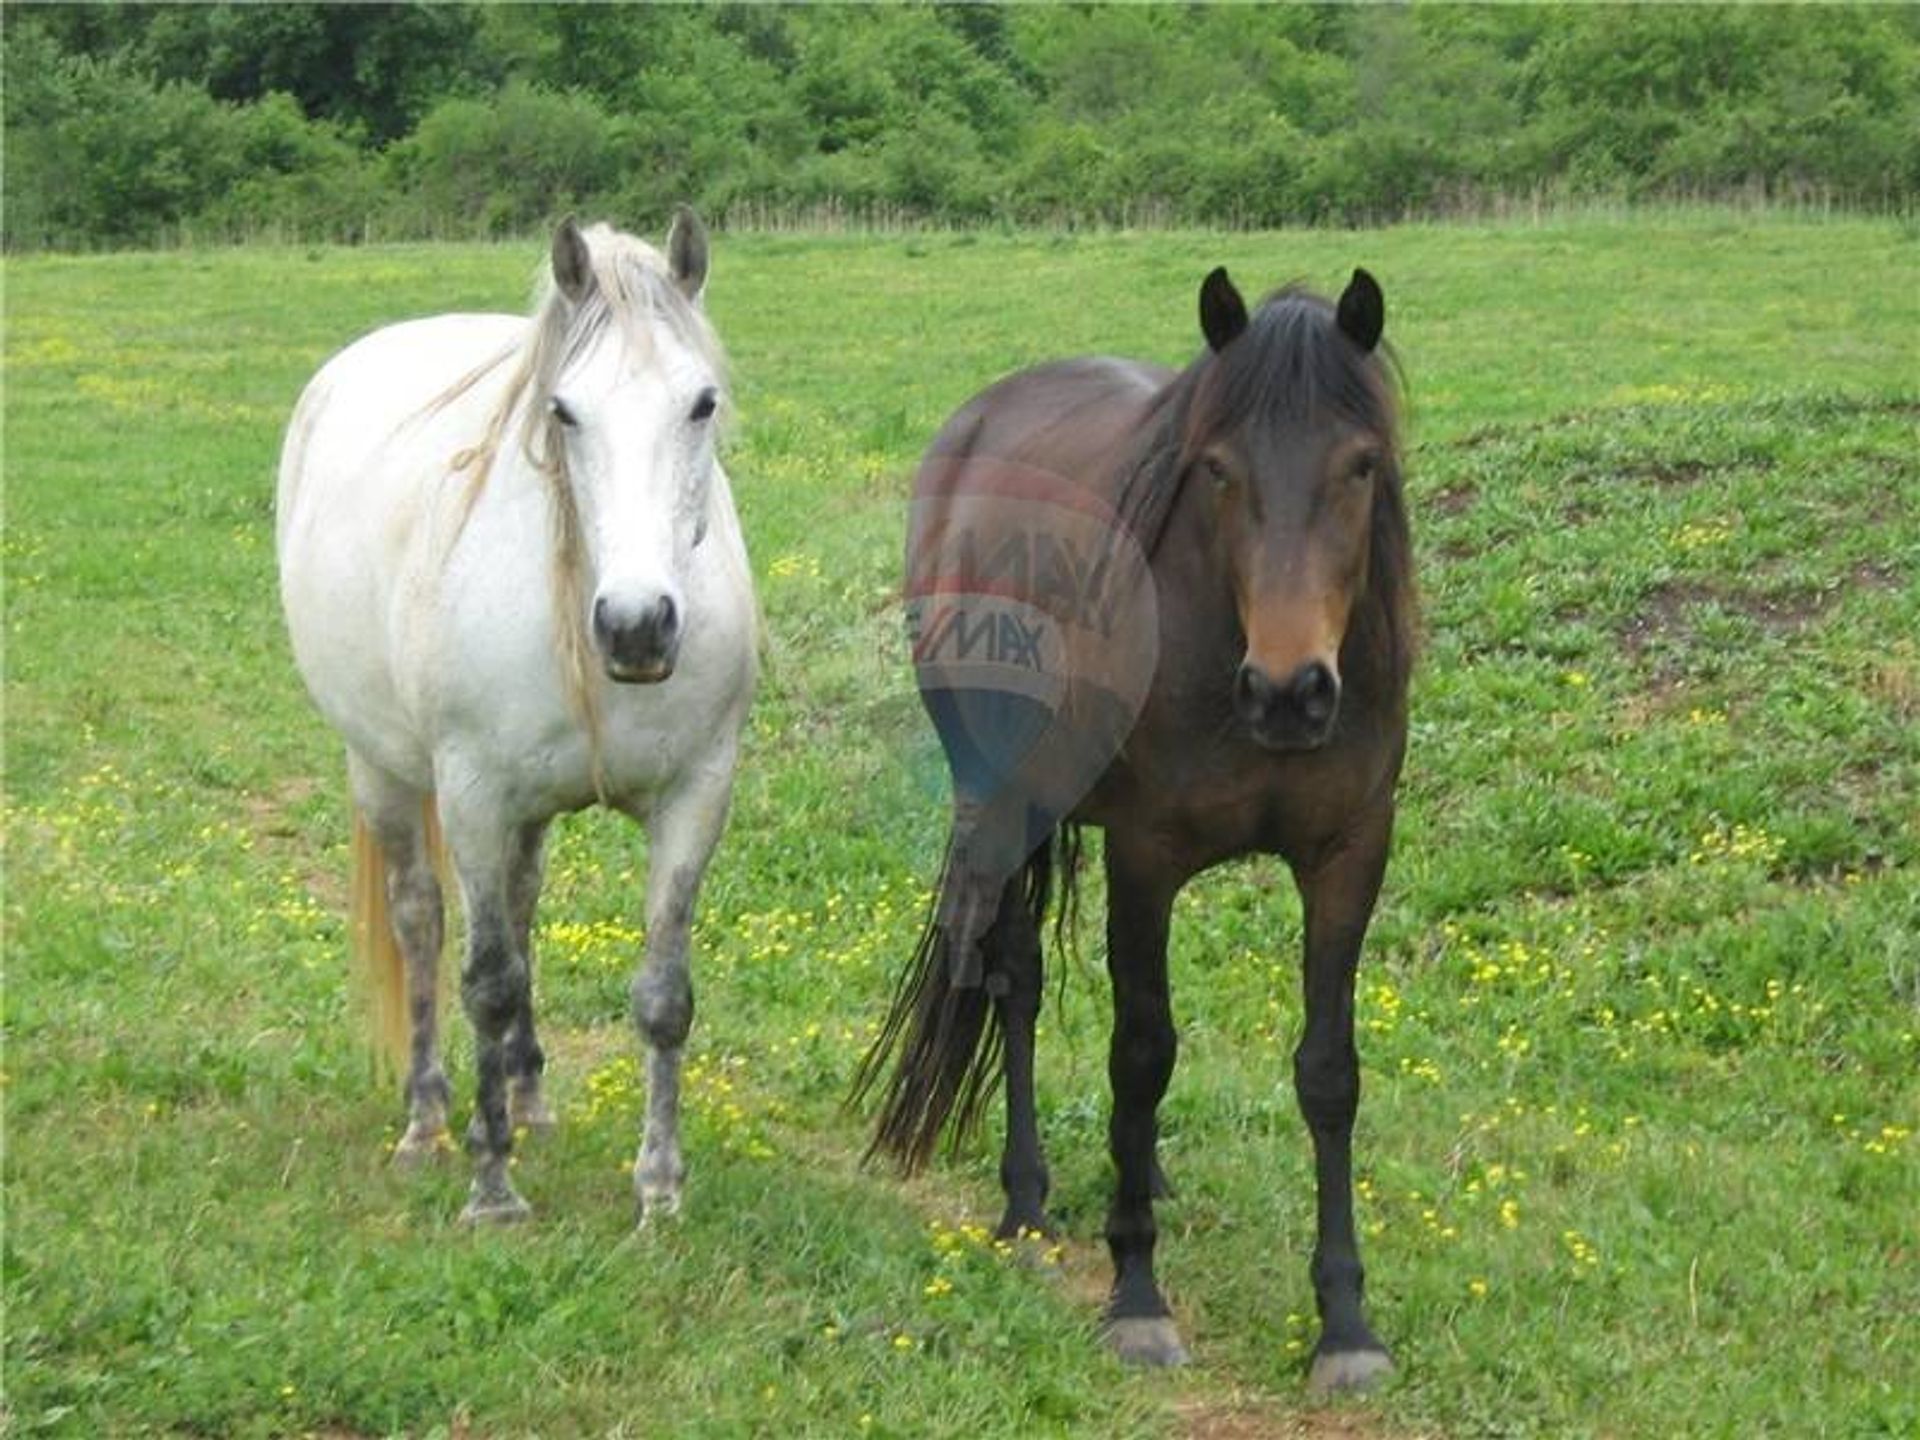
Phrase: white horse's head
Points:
(632, 389)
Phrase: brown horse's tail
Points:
(942, 1033)
(379, 969)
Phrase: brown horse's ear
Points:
(572, 266)
(687, 252)
(1362, 313)
(1223, 314)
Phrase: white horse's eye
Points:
(705, 405)
(561, 413)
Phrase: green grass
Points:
(1640, 1019)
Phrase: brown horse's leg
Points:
(1338, 897)
(1015, 980)
(1139, 1067)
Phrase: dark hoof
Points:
(1345, 1372)
(1026, 1225)
(1152, 1341)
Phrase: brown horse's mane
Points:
(1291, 364)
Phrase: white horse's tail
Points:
(379, 968)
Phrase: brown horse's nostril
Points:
(1315, 693)
(1294, 713)
(1253, 694)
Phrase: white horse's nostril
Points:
(638, 641)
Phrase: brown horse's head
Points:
(1291, 439)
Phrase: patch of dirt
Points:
(1455, 499)
(1670, 474)
(1488, 435)
(1661, 696)
(269, 818)
(1663, 612)
(1874, 575)
(1782, 613)
(267, 813)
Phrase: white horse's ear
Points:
(572, 266)
(687, 252)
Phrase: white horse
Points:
(515, 583)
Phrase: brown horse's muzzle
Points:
(1296, 713)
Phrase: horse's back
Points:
(379, 390)
(1072, 420)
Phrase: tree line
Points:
(133, 124)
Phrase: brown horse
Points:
(1177, 606)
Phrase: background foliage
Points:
(132, 124)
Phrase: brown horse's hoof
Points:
(1345, 1372)
(1152, 1341)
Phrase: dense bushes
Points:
(127, 124)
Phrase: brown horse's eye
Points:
(1367, 467)
(1217, 473)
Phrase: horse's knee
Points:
(416, 909)
(495, 989)
(663, 1006)
(1140, 1064)
(1327, 1086)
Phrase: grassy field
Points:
(1640, 1019)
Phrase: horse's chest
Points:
(1218, 802)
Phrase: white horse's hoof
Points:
(528, 1110)
(657, 1208)
(1147, 1340)
(1348, 1371)
(501, 1208)
(421, 1146)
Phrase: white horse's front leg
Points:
(682, 832)
(496, 986)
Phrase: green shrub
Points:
(504, 164)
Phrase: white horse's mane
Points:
(632, 288)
